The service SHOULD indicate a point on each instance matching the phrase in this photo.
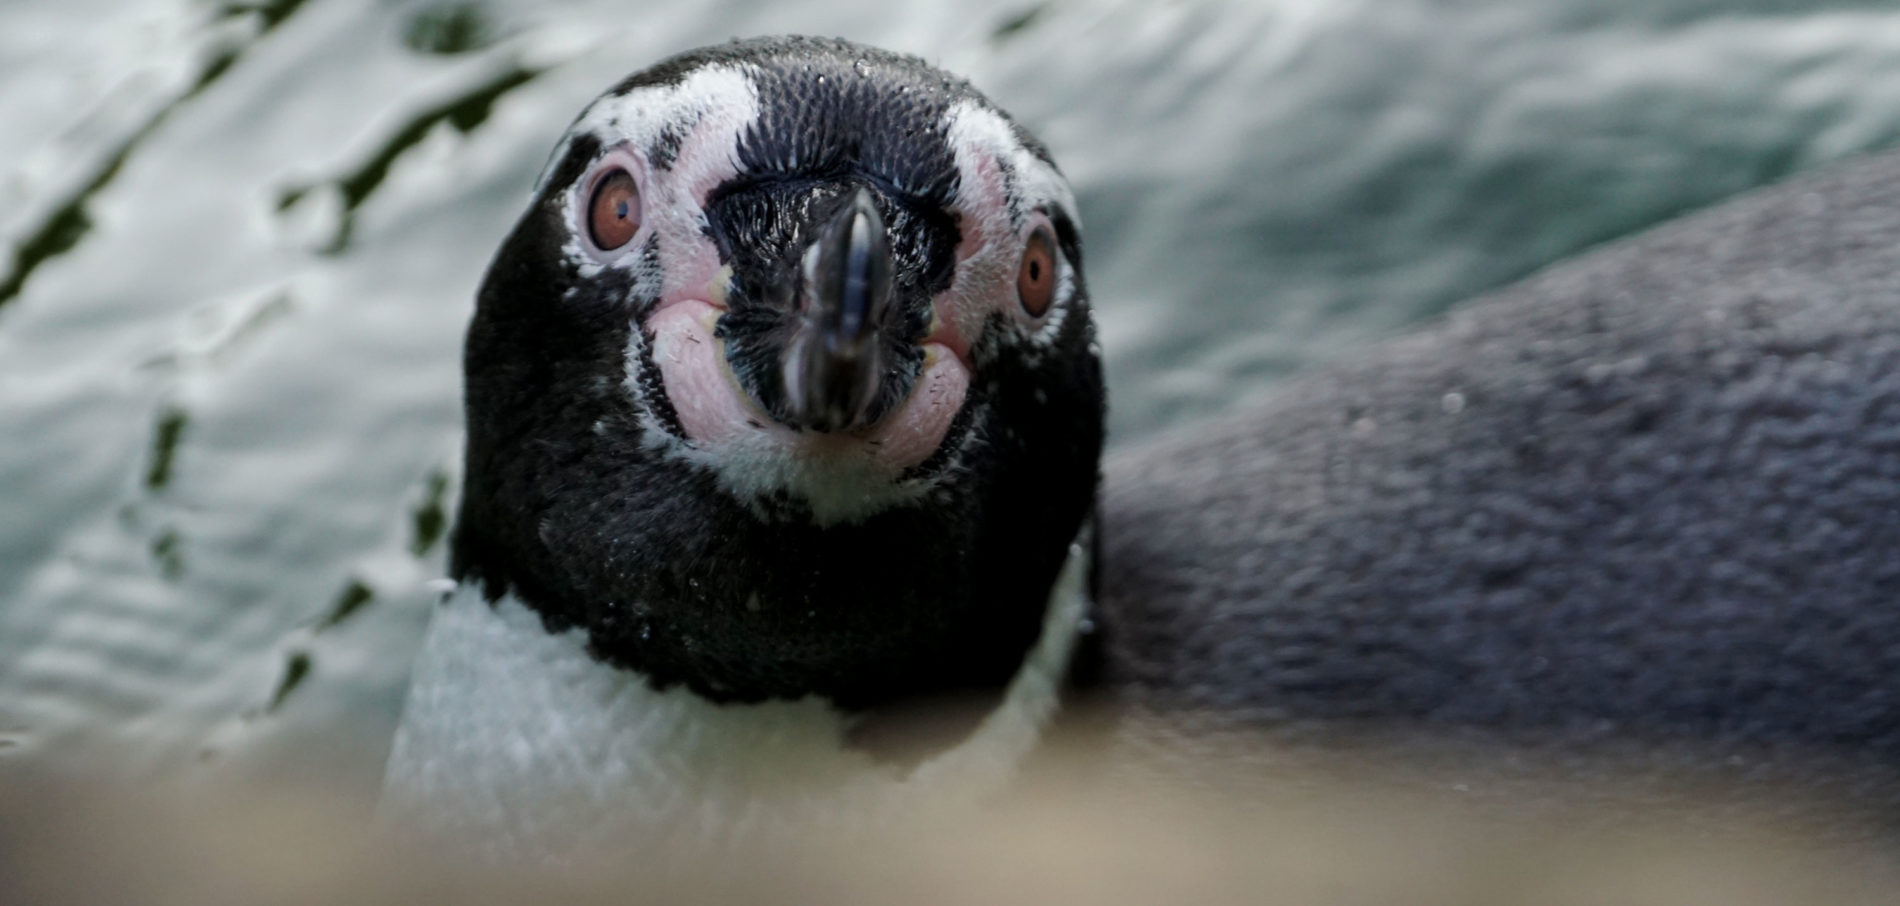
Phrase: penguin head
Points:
(786, 382)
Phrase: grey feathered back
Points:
(1652, 494)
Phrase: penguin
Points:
(784, 420)
(785, 429)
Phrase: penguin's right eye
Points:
(1036, 276)
(614, 212)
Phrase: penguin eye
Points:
(614, 212)
(1036, 280)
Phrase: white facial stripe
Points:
(977, 132)
(990, 160)
(721, 103)
(709, 96)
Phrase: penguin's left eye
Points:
(613, 214)
(1036, 278)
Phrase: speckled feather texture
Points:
(1652, 494)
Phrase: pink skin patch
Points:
(989, 255)
(720, 417)
(716, 413)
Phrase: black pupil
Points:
(1035, 270)
(620, 209)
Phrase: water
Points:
(245, 239)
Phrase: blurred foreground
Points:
(1079, 833)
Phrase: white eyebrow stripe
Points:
(717, 104)
(720, 99)
(975, 130)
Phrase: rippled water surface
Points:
(238, 244)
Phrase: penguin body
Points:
(520, 742)
(1649, 498)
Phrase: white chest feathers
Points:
(518, 742)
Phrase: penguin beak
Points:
(835, 359)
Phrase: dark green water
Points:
(238, 244)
